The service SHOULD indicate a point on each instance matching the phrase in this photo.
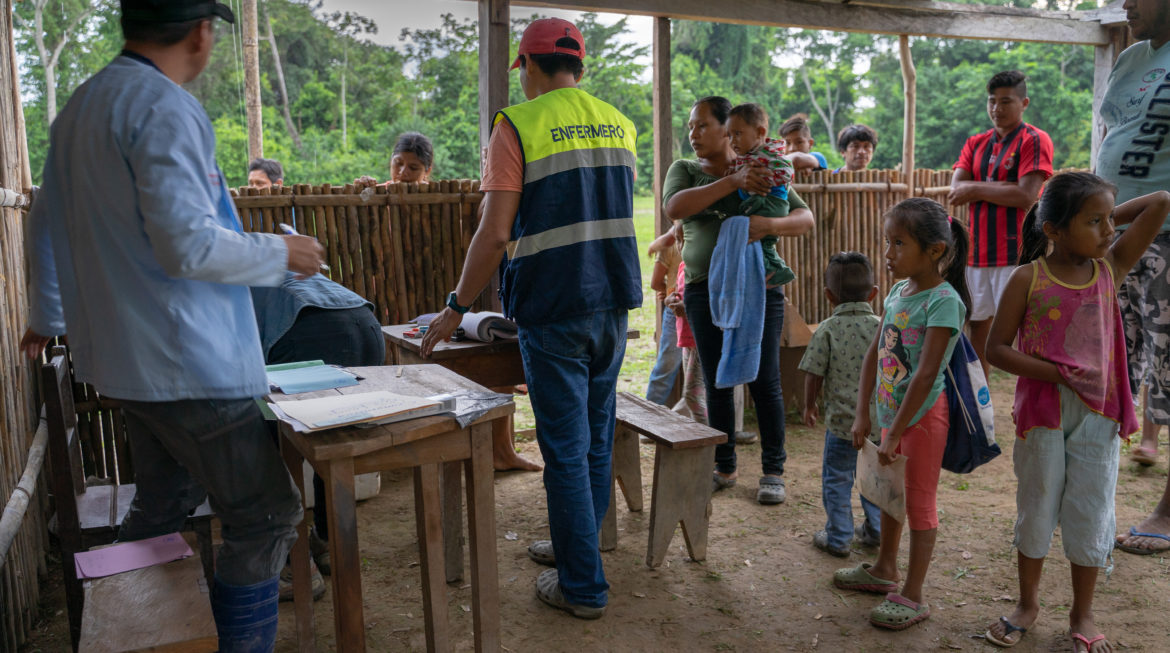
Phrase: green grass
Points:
(640, 352)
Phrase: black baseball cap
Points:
(174, 11)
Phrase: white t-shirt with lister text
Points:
(1135, 154)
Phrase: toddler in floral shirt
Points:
(748, 126)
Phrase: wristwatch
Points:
(453, 304)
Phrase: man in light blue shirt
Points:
(136, 251)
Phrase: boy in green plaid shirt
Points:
(833, 362)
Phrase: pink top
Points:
(1079, 329)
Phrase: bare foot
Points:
(1152, 524)
(1086, 638)
(892, 575)
(510, 460)
(1021, 619)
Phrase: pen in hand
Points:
(293, 232)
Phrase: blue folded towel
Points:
(735, 282)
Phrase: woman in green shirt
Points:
(700, 193)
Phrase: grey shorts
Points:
(1067, 477)
(1145, 311)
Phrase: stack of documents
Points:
(378, 407)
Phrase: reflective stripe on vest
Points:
(572, 248)
(570, 234)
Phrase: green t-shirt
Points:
(903, 334)
(835, 353)
(701, 230)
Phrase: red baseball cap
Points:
(541, 36)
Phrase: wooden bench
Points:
(89, 515)
(684, 457)
(158, 608)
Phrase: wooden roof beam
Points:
(914, 17)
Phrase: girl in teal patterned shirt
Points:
(923, 316)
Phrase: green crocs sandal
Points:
(859, 579)
(898, 613)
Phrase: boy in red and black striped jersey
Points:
(999, 173)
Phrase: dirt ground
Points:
(763, 585)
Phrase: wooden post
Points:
(663, 151)
(910, 91)
(18, 111)
(493, 90)
(493, 64)
(663, 130)
(1103, 59)
(251, 39)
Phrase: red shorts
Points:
(923, 445)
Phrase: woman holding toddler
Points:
(700, 193)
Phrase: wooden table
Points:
(425, 444)
(491, 364)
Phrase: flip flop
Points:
(859, 579)
(1077, 637)
(1137, 551)
(1144, 456)
(1008, 628)
(898, 613)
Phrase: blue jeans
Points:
(572, 368)
(838, 469)
(765, 389)
(669, 362)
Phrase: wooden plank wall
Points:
(401, 246)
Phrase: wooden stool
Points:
(684, 456)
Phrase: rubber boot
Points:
(245, 616)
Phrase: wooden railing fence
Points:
(401, 246)
(849, 207)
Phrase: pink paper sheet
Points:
(128, 556)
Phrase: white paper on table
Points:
(883, 485)
(341, 410)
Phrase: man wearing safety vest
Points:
(558, 182)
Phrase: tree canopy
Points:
(334, 101)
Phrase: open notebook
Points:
(378, 407)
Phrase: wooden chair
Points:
(684, 455)
(158, 608)
(89, 515)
